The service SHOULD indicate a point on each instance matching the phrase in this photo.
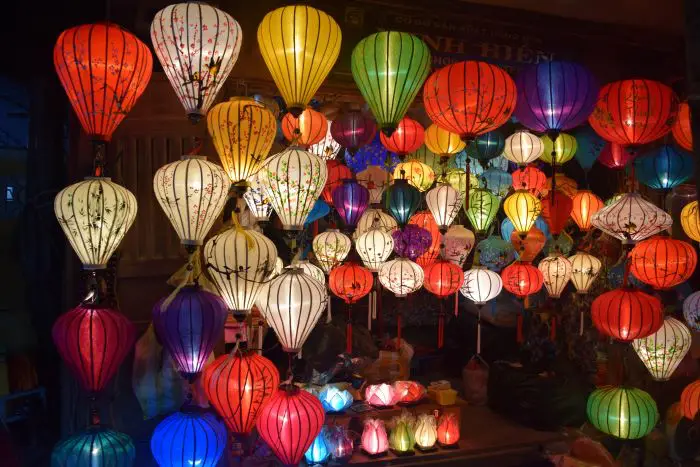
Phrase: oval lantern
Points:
(374, 247)
(238, 385)
(407, 137)
(626, 314)
(522, 147)
(401, 276)
(622, 412)
(411, 242)
(198, 46)
(584, 204)
(331, 248)
(448, 429)
(308, 128)
(481, 285)
(690, 220)
(481, 209)
(584, 270)
(189, 437)
(337, 172)
(444, 203)
(690, 400)
(353, 130)
(350, 282)
(458, 243)
(93, 341)
(389, 68)
(487, 146)
(402, 200)
(376, 180)
(663, 262)
(528, 246)
(522, 279)
(416, 173)
(665, 168)
(559, 151)
(95, 447)
(564, 184)
(495, 253)
(682, 132)
(300, 45)
(556, 271)
(443, 278)
(104, 69)
(374, 438)
(691, 311)
(523, 209)
(631, 218)
(663, 351)
(375, 218)
(442, 142)
(327, 148)
(530, 179)
(350, 200)
(556, 211)
(615, 156)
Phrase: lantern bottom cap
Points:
(290, 350)
(94, 267)
(293, 227)
(192, 242)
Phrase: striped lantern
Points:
(556, 271)
(444, 203)
(622, 412)
(663, 262)
(631, 218)
(401, 276)
(522, 147)
(331, 248)
(626, 314)
(584, 271)
(522, 279)
(663, 351)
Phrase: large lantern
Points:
(350, 282)
(682, 132)
(257, 201)
(559, 151)
(487, 146)
(103, 69)
(331, 248)
(663, 351)
(469, 98)
(631, 218)
(663, 262)
(374, 247)
(458, 242)
(350, 200)
(290, 422)
(93, 341)
(374, 438)
(375, 218)
(308, 128)
(198, 46)
(481, 209)
(523, 209)
(293, 180)
(522, 147)
(556, 210)
(353, 130)
(402, 200)
(337, 172)
(189, 325)
(665, 168)
(242, 131)
(625, 413)
(238, 385)
(690, 220)
(389, 68)
(443, 278)
(584, 205)
(95, 214)
(626, 314)
(401, 276)
(522, 279)
(444, 203)
(442, 142)
(97, 446)
(239, 260)
(416, 173)
(300, 45)
(189, 438)
(376, 180)
(690, 400)
(556, 271)
(407, 137)
(481, 285)
(530, 179)
(584, 270)
(528, 246)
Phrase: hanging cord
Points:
(441, 325)
(348, 329)
(478, 330)
(193, 264)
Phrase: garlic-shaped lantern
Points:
(458, 242)
(425, 432)
(293, 180)
(374, 247)
(331, 248)
(374, 438)
(95, 214)
(401, 276)
(556, 272)
(401, 438)
(257, 201)
(192, 193)
(481, 285)
(631, 218)
(444, 203)
(663, 351)
(584, 269)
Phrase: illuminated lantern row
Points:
(690, 220)
(626, 314)
(615, 156)
(682, 132)
(584, 271)
(663, 351)
(444, 203)
(327, 148)
(522, 147)
(374, 438)
(401, 276)
(481, 285)
(189, 437)
(522, 279)
(350, 200)
(663, 262)
(690, 400)
(337, 172)
(523, 209)
(256, 200)
(556, 210)
(559, 151)
(584, 205)
(197, 45)
(556, 271)
(691, 311)
(402, 200)
(331, 248)
(631, 218)
(416, 173)
(482, 209)
(374, 247)
(486, 146)
(458, 242)
(665, 168)
(442, 142)
(622, 412)
(528, 246)
(96, 446)
(530, 179)
(353, 130)
(309, 128)
(407, 137)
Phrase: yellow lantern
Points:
(416, 173)
(457, 179)
(690, 220)
(584, 269)
(564, 148)
(442, 142)
(556, 271)
(425, 432)
(300, 45)
(242, 131)
(523, 209)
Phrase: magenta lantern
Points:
(353, 130)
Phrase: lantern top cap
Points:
(92, 177)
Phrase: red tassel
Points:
(348, 343)
(441, 330)
(553, 329)
(519, 334)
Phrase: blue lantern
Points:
(402, 200)
(189, 438)
(497, 181)
(373, 154)
(334, 399)
(320, 209)
(495, 253)
(320, 449)
(589, 145)
(664, 168)
(487, 146)
(507, 228)
(96, 446)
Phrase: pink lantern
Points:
(374, 439)
(380, 395)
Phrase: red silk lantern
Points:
(585, 204)
(289, 422)
(308, 128)
(350, 281)
(409, 392)
(353, 130)
(690, 400)
(93, 341)
(532, 179)
(425, 220)
(408, 137)
(626, 314)
(682, 132)
(448, 429)
(469, 98)
(522, 279)
(103, 69)
(443, 278)
(238, 385)
(337, 172)
(529, 246)
(663, 262)
(615, 156)
(634, 111)
(556, 210)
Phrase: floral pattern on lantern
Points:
(584, 270)
(425, 431)
(331, 248)
(189, 437)
(459, 242)
(522, 147)
(374, 438)
(409, 392)
(374, 247)
(495, 253)
(416, 173)
(448, 429)
(522, 279)
(411, 242)
(663, 351)
(401, 276)
(663, 262)
(584, 205)
(626, 314)
(622, 412)
(481, 285)
(376, 180)
(327, 148)
(309, 128)
(631, 218)
(374, 218)
(334, 399)
(256, 200)
(381, 395)
(556, 271)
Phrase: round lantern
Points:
(425, 220)
(95, 214)
(690, 220)
(690, 400)
(560, 151)
(335, 400)
(458, 243)
(350, 200)
(443, 278)
(615, 156)
(293, 180)
(292, 304)
(189, 437)
(310, 127)
(198, 46)
(374, 438)
(682, 131)
(663, 262)
(626, 314)
(95, 447)
(93, 341)
(487, 146)
(242, 130)
(469, 98)
(495, 253)
(522, 147)
(350, 281)
(444, 203)
(448, 429)
(663, 351)
(584, 205)
(481, 285)
(556, 211)
(239, 260)
(409, 392)
(188, 325)
(584, 271)
(522, 279)
(375, 218)
(337, 172)
(411, 242)
(389, 68)
(353, 130)
(522, 208)
(528, 246)
(556, 271)
(634, 111)
(402, 200)
(327, 148)
(401, 276)
(331, 248)
(374, 247)
(665, 168)
(257, 201)
(376, 180)
(590, 144)
(625, 413)
(691, 311)
(103, 69)
(482, 209)
(425, 431)
(238, 385)
(530, 179)
(300, 45)
(407, 137)
(320, 449)
(380, 395)
(631, 218)
(442, 142)
(416, 173)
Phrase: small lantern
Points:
(374, 438)
(411, 242)
(95, 447)
(522, 279)
(425, 220)
(481, 285)
(380, 395)
(350, 282)
(409, 392)
(481, 209)
(459, 242)
(522, 208)
(341, 444)
(402, 434)
(406, 138)
(335, 400)
(556, 210)
(350, 200)
(353, 130)
(310, 270)
(376, 180)
(530, 179)
(625, 413)
(584, 270)
(257, 201)
(556, 271)
(309, 128)
(189, 437)
(563, 184)
(522, 147)
(401, 276)
(691, 311)
(457, 179)
(631, 219)
(320, 449)
(444, 203)
(497, 181)
(331, 248)
(627, 314)
(448, 429)
(690, 400)
(337, 172)
(560, 151)
(425, 432)
(663, 262)
(615, 156)
(585, 204)
(690, 220)
(486, 146)
(663, 351)
(495, 253)
(665, 168)
(443, 278)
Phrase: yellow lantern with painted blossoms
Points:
(523, 209)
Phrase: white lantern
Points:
(310, 269)
(327, 149)
(522, 147)
(95, 214)
(331, 248)
(584, 270)
(197, 45)
(239, 261)
(401, 276)
(192, 192)
(374, 247)
(444, 203)
(556, 272)
(277, 270)
(459, 242)
(375, 180)
(481, 285)
(293, 180)
(631, 218)
(373, 217)
(257, 201)
(663, 351)
(292, 304)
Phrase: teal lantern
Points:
(95, 447)
(622, 412)
(497, 181)
(664, 168)
(590, 144)
(320, 449)
(487, 146)
(495, 253)
(402, 201)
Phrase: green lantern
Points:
(389, 68)
(482, 209)
(564, 149)
(625, 413)
(402, 438)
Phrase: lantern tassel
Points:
(478, 332)
(348, 333)
(580, 324)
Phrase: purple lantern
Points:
(350, 199)
(353, 130)
(555, 96)
(411, 242)
(189, 327)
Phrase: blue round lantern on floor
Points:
(189, 438)
(95, 447)
(664, 168)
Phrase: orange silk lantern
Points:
(522, 279)
(690, 400)
(408, 137)
(409, 392)
(350, 282)
(308, 128)
(627, 314)
(584, 205)
(532, 179)
(425, 220)
(556, 211)
(103, 69)
(337, 172)
(529, 246)
(442, 142)
(663, 262)
(681, 130)
(448, 429)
